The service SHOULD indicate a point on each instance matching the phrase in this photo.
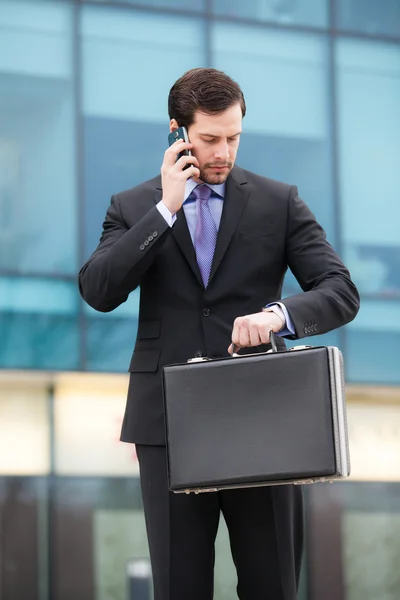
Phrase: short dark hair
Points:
(205, 90)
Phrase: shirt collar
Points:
(218, 189)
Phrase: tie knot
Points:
(202, 192)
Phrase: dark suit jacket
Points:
(264, 229)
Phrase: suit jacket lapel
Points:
(235, 200)
(182, 237)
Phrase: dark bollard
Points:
(139, 579)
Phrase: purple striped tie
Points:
(206, 232)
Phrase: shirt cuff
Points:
(164, 212)
(288, 328)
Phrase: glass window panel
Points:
(283, 76)
(131, 59)
(125, 91)
(369, 151)
(37, 163)
(110, 344)
(120, 550)
(117, 165)
(87, 446)
(24, 426)
(284, 12)
(24, 536)
(356, 526)
(35, 38)
(111, 336)
(374, 17)
(373, 340)
(371, 554)
(89, 515)
(38, 324)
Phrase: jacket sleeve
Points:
(331, 298)
(122, 257)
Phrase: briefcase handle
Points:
(272, 338)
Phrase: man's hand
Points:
(173, 176)
(253, 330)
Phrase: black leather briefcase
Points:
(255, 420)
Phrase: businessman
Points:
(209, 244)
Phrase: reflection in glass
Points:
(284, 12)
(38, 324)
(375, 17)
(110, 343)
(369, 147)
(37, 144)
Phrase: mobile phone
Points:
(180, 134)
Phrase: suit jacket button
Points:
(150, 238)
(205, 312)
(146, 243)
(141, 247)
(198, 354)
(155, 234)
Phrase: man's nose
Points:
(222, 151)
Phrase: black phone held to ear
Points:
(180, 134)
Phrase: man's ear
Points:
(173, 124)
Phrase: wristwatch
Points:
(279, 313)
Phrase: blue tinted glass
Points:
(37, 164)
(373, 356)
(369, 143)
(111, 336)
(118, 165)
(284, 12)
(374, 17)
(38, 324)
(373, 340)
(130, 61)
(110, 343)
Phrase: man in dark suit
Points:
(209, 246)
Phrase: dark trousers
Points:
(265, 529)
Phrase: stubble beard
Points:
(211, 178)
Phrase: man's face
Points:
(215, 140)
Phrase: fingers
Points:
(184, 167)
(172, 152)
(251, 330)
(186, 160)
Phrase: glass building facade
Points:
(83, 114)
